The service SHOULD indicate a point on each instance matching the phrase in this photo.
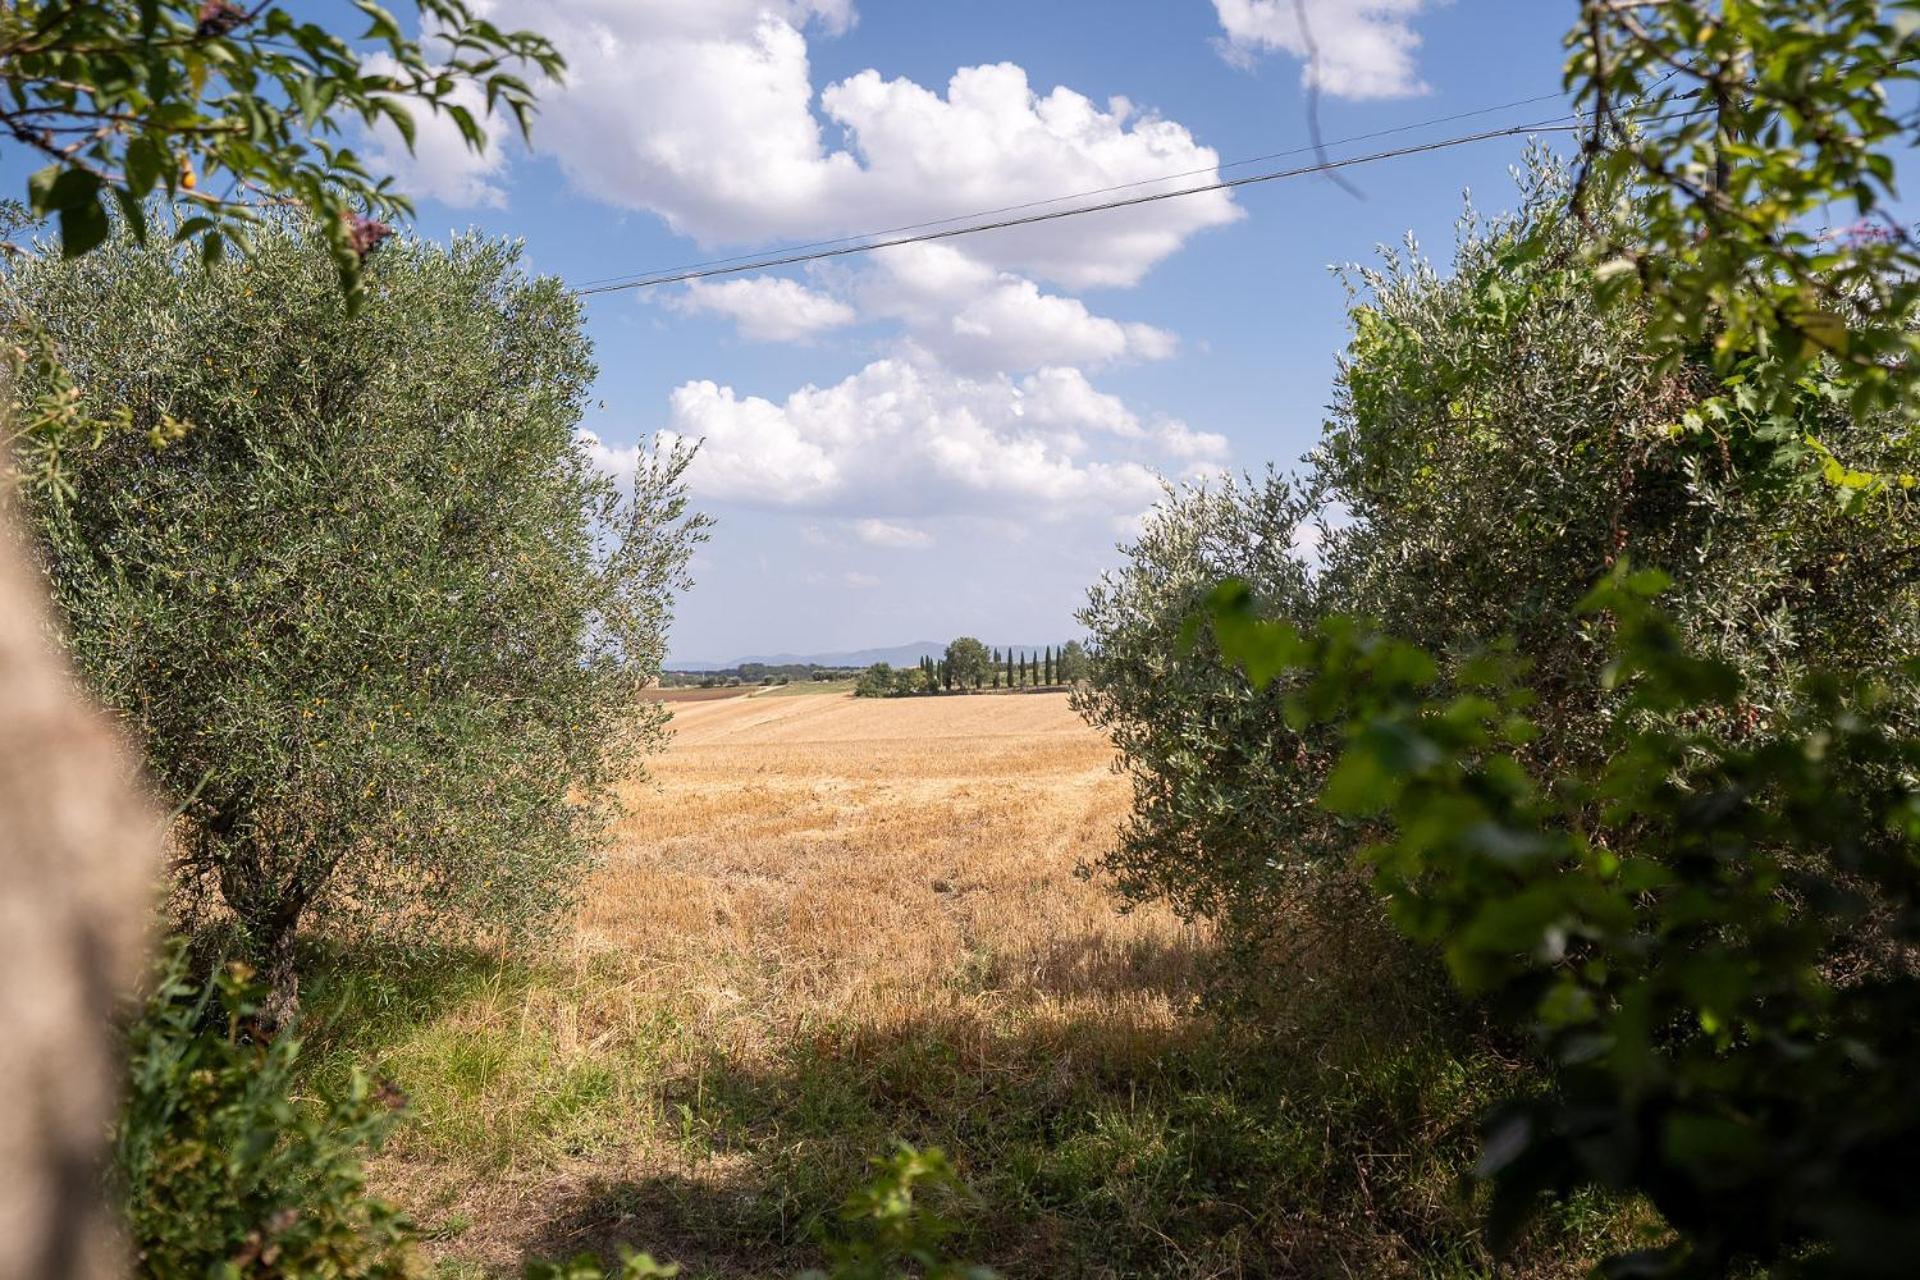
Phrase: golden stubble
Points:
(873, 863)
(794, 875)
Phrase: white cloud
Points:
(1365, 47)
(908, 437)
(1179, 440)
(881, 533)
(766, 308)
(441, 166)
(978, 318)
(705, 113)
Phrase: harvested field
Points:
(696, 694)
(830, 924)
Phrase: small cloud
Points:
(861, 581)
(880, 533)
(1353, 48)
(766, 308)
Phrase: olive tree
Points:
(377, 619)
(1222, 824)
(1500, 436)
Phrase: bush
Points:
(1714, 942)
(1223, 823)
(377, 620)
(221, 1173)
(876, 682)
(1499, 438)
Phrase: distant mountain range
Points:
(900, 655)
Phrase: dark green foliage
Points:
(1711, 936)
(223, 1173)
(877, 681)
(1072, 663)
(1743, 131)
(969, 662)
(376, 620)
(224, 103)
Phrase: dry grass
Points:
(796, 872)
(829, 923)
(832, 859)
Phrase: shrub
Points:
(877, 681)
(1714, 941)
(1223, 823)
(377, 620)
(222, 1173)
(1499, 437)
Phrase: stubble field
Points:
(832, 923)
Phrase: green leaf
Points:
(56, 189)
(83, 227)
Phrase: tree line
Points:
(970, 666)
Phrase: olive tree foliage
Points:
(1223, 823)
(1500, 435)
(1710, 938)
(377, 620)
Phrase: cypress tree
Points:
(1049, 664)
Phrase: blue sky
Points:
(952, 439)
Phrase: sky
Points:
(951, 438)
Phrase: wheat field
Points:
(831, 924)
(798, 881)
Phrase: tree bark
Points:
(79, 852)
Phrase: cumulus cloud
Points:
(976, 317)
(704, 112)
(766, 308)
(910, 438)
(1365, 47)
(440, 166)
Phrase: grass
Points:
(832, 923)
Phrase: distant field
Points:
(803, 688)
(696, 694)
(830, 923)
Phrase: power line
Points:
(629, 277)
(741, 266)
